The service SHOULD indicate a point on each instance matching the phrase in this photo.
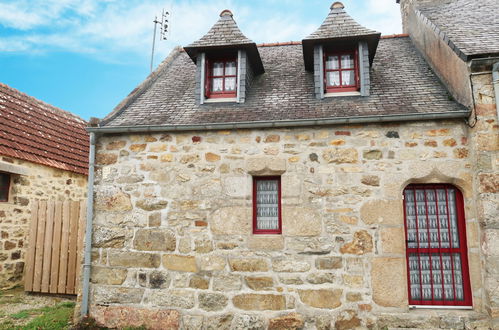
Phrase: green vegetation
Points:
(55, 317)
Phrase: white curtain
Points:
(267, 206)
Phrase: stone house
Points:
(43, 155)
(349, 180)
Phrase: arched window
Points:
(437, 260)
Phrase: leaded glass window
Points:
(267, 205)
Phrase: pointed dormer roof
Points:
(338, 26)
(226, 35)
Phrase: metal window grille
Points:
(436, 246)
(267, 205)
(4, 187)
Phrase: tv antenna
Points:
(163, 25)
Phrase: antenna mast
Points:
(163, 25)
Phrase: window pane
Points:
(4, 186)
(230, 84)
(218, 69)
(267, 204)
(347, 78)
(347, 62)
(333, 78)
(332, 62)
(230, 69)
(217, 85)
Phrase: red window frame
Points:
(462, 250)
(347, 88)
(209, 77)
(5, 188)
(255, 227)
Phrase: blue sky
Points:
(85, 56)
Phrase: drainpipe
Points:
(495, 82)
(88, 228)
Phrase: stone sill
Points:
(342, 94)
(220, 100)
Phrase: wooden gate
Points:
(55, 246)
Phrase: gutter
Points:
(88, 227)
(280, 123)
(495, 82)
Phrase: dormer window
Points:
(221, 78)
(341, 72)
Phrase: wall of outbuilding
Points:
(173, 243)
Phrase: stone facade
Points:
(172, 233)
(41, 183)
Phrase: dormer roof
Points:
(226, 35)
(339, 26)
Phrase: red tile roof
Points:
(38, 132)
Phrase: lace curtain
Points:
(267, 207)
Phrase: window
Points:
(437, 262)
(267, 205)
(341, 73)
(221, 78)
(4, 187)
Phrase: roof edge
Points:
(143, 86)
(282, 123)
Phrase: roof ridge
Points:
(42, 103)
(143, 86)
(293, 43)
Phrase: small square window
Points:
(221, 78)
(267, 205)
(4, 187)
(341, 72)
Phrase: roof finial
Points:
(337, 5)
(226, 12)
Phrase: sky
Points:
(85, 56)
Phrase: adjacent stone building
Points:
(43, 155)
(346, 181)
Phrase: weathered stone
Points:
(192, 322)
(171, 298)
(151, 204)
(320, 278)
(390, 240)
(112, 199)
(211, 263)
(272, 138)
(138, 147)
(353, 281)
(389, 282)
(121, 317)
(166, 158)
(289, 321)
(104, 237)
(155, 219)
(370, 180)
(231, 221)
(259, 302)
(116, 145)
(117, 295)
(211, 157)
(340, 156)
(199, 282)
(328, 262)
(438, 132)
(212, 301)
(259, 283)
(347, 320)
(372, 154)
(189, 159)
(354, 296)
(154, 239)
(108, 275)
(237, 186)
(290, 279)
(180, 263)
(266, 243)
(227, 282)
(323, 298)
(133, 259)
(203, 245)
(362, 243)
(248, 265)
(106, 159)
(286, 264)
(129, 179)
(159, 279)
(382, 212)
(489, 183)
(299, 221)
(219, 322)
(253, 322)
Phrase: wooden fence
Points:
(55, 246)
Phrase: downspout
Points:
(495, 82)
(88, 228)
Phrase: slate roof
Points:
(401, 83)
(472, 26)
(37, 132)
(339, 24)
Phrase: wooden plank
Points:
(73, 244)
(56, 247)
(30, 256)
(63, 265)
(47, 247)
(81, 235)
(40, 236)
